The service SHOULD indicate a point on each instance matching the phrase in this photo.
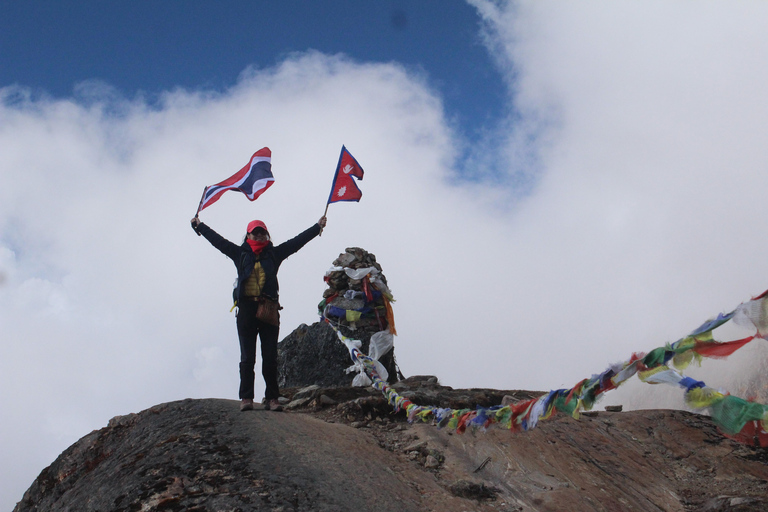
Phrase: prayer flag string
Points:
(743, 420)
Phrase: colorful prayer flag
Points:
(344, 187)
(252, 180)
(745, 421)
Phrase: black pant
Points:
(248, 328)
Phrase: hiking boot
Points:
(273, 405)
(246, 404)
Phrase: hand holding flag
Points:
(252, 180)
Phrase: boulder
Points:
(313, 354)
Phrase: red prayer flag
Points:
(344, 187)
(753, 434)
(717, 349)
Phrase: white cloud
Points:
(652, 166)
(644, 122)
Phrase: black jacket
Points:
(271, 257)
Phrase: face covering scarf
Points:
(257, 246)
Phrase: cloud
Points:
(646, 124)
(634, 215)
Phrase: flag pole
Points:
(324, 214)
(198, 207)
(201, 201)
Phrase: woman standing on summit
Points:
(256, 296)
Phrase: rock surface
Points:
(339, 449)
(312, 354)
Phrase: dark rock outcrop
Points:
(313, 354)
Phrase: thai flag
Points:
(252, 180)
(344, 187)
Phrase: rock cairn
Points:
(357, 296)
(358, 303)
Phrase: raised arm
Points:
(230, 249)
(291, 246)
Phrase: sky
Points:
(549, 187)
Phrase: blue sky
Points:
(625, 202)
(148, 47)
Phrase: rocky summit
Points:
(343, 449)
